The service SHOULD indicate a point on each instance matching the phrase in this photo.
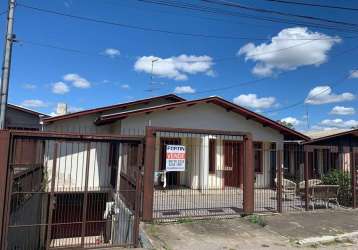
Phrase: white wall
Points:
(212, 117)
(71, 166)
(201, 116)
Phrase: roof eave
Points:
(252, 115)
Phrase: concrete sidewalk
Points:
(298, 226)
(280, 232)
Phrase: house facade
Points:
(24, 119)
(332, 150)
(213, 160)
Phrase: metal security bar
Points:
(203, 179)
(68, 191)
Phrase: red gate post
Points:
(249, 176)
(4, 160)
(279, 180)
(354, 178)
(148, 182)
(306, 177)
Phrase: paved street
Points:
(280, 232)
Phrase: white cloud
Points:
(111, 52)
(177, 68)
(125, 86)
(339, 123)
(354, 74)
(285, 51)
(252, 101)
(184, 90)
(323, 94)
(30, 86)
(292, 120)
(77, 81)
(34, 103)
(340, 110)
(60, 88)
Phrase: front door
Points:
(233, 163)
(173, 178)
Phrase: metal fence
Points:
(319, 177)
(216, 180)
(67, 191)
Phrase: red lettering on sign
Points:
(175, 155)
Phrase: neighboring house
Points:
(212, 161)
(22, 118)
(329, 150)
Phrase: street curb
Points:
(144, 239)
(327, 238)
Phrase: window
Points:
(212, 156)
(258, 157)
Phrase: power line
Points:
(237, 5)
(211, 10)
(3, 13)
(171, 13)
(219, 59)
(76, 51)
(266, 78)
(314, 5)
(129, 26)
(94, 20)
(303, 101)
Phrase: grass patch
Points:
(152, 229)
(257, 219)
(184, 220)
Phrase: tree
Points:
(286, 124)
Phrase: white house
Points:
(213, 160)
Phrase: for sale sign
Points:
(175, 158)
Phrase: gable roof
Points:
(353, 132)
(22, 109)
(115, 106)
(229, 106)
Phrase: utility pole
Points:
(5, 76)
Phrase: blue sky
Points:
(115, 62)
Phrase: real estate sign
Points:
(175, 158)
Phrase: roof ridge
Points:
(108, 107)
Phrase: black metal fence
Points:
(289, 177)
(200, 178)
(67, 191)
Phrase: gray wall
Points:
(22, 120)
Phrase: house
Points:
(330, 150)
(209, 156)
(22, 118)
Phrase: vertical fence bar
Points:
(52, 194)
(85, 196)
(148, 189)
(279, 180)
(138, 192)
(306, 177)
(353, 178)
(249, 192)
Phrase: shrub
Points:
(343, 180)
(257, 219)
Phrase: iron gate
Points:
(72, 191)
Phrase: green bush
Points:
(257, 219)
(343, 180)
